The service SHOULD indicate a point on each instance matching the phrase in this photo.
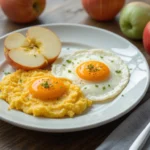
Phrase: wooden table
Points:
(14, 138)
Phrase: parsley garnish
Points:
(69, 71)
(6, 73)
(85, 88)
(45, 84)
(91, 67)
(34, 55)
(27, 49)
(101, 57)
(112, 61)
(64, 65)
(118, 71)
(108, 85)
(104, 88)
(20, 80)
(68, 61)
(96, 86)
(122, 95)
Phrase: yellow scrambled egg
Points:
(15, 89)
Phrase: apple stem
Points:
(36, 6)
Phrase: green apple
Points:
(133, 18)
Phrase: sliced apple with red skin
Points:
(38, 49)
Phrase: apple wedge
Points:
(39, 48)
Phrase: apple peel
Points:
(146, 38)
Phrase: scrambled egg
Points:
(17, 90)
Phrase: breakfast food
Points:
(74, 82)
(100, 74)
(39, 48)
(39, 93)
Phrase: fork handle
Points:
(141, 139)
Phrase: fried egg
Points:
(100, 74)
(39, 93)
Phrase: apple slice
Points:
(22, 59)
(40, 48)
(14, 40)
(51, 44)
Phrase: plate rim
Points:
(73, 129)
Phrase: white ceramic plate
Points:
(75, 37)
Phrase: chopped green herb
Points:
(27, 49)
(64, 65)
(122, 95)
(34, 55)
(61, 87)
(118, 71)
(68, 61)
(91, 67)
(85, 88)
(108, 85)
(96, 86)
(6, 73)
(104, 88)
(20, 80)
(45, 84)
(101, 57)
(69, 71)
(112, 61)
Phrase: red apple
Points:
(146, 37)
(22, 11)
(103, 10)
(38, 49)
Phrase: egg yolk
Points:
(93, 71)
(47, 88)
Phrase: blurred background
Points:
(75, 11)
(59, 11)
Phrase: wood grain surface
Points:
(15, 138)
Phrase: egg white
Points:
(65, 67)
